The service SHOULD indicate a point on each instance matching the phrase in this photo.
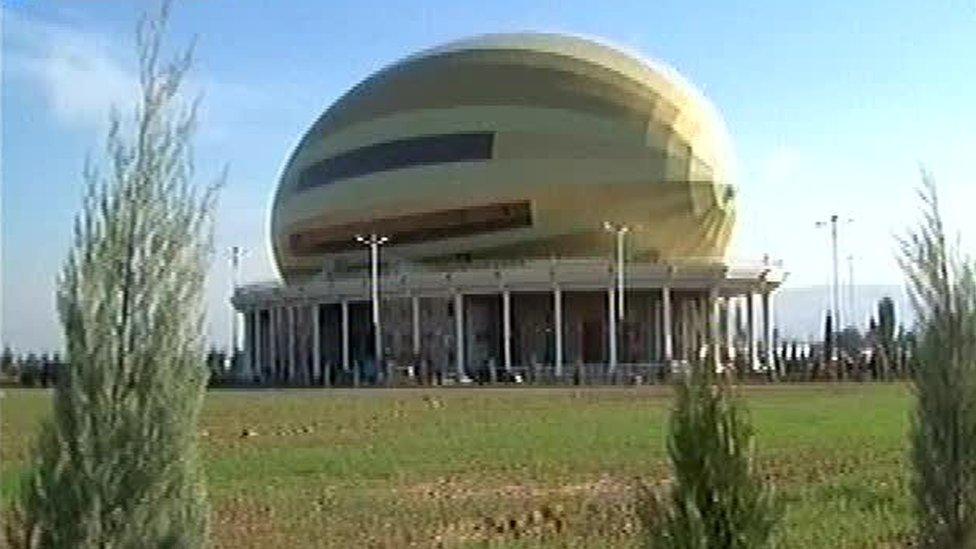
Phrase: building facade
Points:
(550, 208)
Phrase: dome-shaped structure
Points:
(505, 147)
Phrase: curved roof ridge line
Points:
(563, 43)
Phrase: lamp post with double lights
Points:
(852, 302)
(235, 254)
(835, 290)
(620, 231)
(374, 241)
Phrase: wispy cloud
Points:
(77, 73)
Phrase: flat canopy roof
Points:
(729, 279)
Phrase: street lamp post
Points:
(235, 253)
(620, 231)
(852, 304)
(616, 321)
(835, 290)
(374, 242)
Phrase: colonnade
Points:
(290, 343)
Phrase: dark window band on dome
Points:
(402, 153)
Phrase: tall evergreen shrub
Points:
(717, 498)
(117, 465)
(942, 288)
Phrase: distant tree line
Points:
(41, 369)
(31, 369)
(881, 352)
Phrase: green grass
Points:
(514, 468)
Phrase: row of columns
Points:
(262, 354)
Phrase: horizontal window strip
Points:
(399, 154)
(409, 229)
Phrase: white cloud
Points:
(76, 72)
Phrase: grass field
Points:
(514, 467)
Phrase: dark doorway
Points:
(593, 339)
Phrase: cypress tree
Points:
(942, 288)
(718, 498)
(117, 465)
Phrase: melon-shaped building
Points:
(552, 210)
(508, 146)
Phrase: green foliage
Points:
(943, 292)
(885, 336)
(718, 498)
(850, 341)
(6, 361)
(886, 322)
(117, 466)
(828, 336)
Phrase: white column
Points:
(345, 334)
(247, 351)
(557, 320)
(751, 331)
(291, 343)
(730, 328)
(256, 345)
(316, 344)
(273, 342)
(714, 327)
(459, 335)
(704, 318)
(257, 349)
(667, 324)
(415, 324)
(767, 305)
(264, 346)
(620, 273)
(374, 248)
(654, 327)
(612, 328)
(684, 326)
(507, 328)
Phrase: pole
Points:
(344, 311)
(852, 305)
(557, 308)
(612, 331)
(619, 230)
(374, 242)
(666, 320)
(616, 304)
(235, 264)
(835, 286)
(620, 272)
(462, 376)
(836, 292)
(374, 252)
(507, 328)
(415, 325)
(316, 346)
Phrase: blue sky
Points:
(831, 106)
